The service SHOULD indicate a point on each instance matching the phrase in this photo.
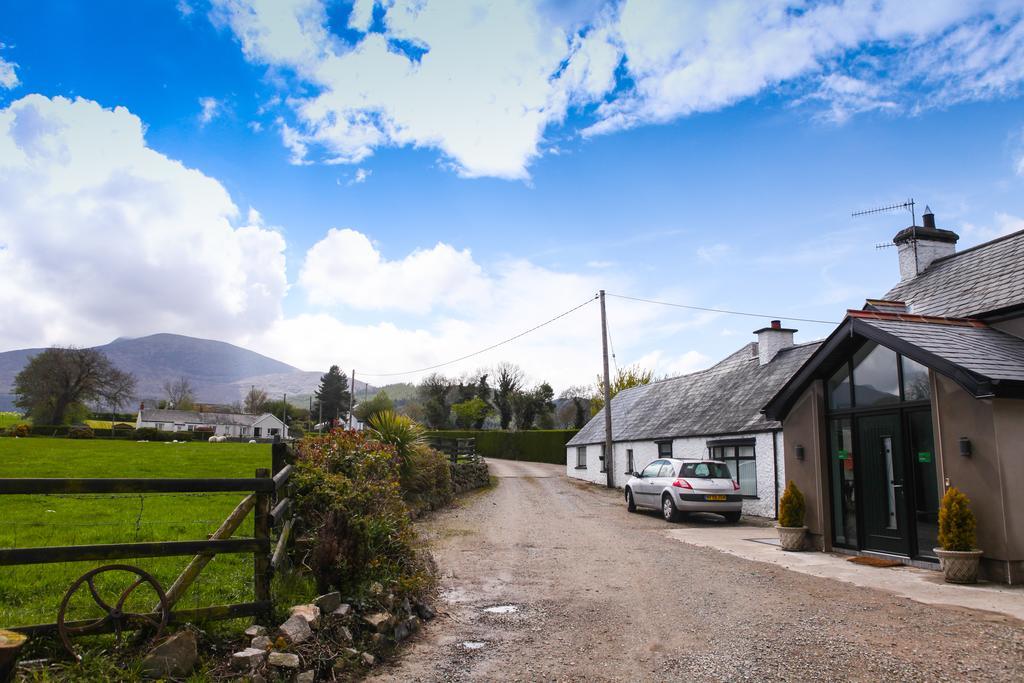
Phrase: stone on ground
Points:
(175, 657)
(283, 660)
(311, 613)
(247, 659)
(368, 659)
(378, 621)
(296, 630)
(256, 630)
(306, 677)
(343, 610)
(425, 611)
(328, 602)
(262, 643)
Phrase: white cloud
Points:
(210, 108)
(185, 9)
(713, 253)
(360, 177)
(345, 268)
(483, 83)
(102, 236)
(1002, 224)
(8, 75)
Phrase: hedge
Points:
(538, 445)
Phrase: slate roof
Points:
(724, 399)
(985, 351)
(970, 283)
(192, 417)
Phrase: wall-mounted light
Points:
(965, 447)
(799, 452)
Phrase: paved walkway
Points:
(920, 585)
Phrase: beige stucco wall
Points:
(804, 426)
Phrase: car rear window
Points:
(705, 470)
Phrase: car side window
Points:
(667, 470)
(651, 470)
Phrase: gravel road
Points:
(599, 594)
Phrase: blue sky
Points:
(390, 185)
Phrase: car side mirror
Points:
(637, 475)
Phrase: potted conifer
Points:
(791, 518)
(957, 552)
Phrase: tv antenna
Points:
(908, 205)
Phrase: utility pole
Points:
(608, 459)
(351, 398)
(284, 415)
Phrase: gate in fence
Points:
(266, 498)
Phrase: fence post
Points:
(261, 558)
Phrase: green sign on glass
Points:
(843, 454)
(924, 456)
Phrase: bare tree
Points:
(180, 393)
(255, 401)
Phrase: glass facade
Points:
(844, 496)
(875, 378)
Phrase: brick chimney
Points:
(771, 340)
(920, 246)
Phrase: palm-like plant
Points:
(402, 432)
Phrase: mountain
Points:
(220, 372)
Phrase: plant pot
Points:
(792, 537)
(959, 566)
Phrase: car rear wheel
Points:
(630, 503)
(668, 509)
(732, 517)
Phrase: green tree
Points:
(434, 394)
(576, 410)
(365, 410)
(58, 382)
(535, 405)
(469, 414)
(332, 397)
(625, 378)
(509, 381)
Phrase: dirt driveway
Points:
(599, 594)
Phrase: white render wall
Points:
(690, 447)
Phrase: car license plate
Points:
(714, 498)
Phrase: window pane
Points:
(745, 451)
(748, 477)
(581, 456)
(844, 511)
(665, 449)
(667, 470)
(731, 464)
(839, 389)
(915, 381)
(652, 470)
(875, 380)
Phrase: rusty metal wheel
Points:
(116, 619)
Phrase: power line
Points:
(719, 310)
(484, 350)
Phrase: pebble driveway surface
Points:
(547, 578)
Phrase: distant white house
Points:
(265, 426)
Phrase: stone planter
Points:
(792, 537)
(959, 566)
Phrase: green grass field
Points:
(10, 419)
(32, 594)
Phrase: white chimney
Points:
(920, 246)
(771, 340)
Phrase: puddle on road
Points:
(473, 645)
(502, 609)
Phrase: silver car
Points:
(679, 486)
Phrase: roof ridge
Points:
(914, 318)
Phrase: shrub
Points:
(81, 432)
(535, 445)
(153, 434)
(427, 480)
(401, 432)
(956, 522)
(348, 494)
(792, 507)
(19, 430)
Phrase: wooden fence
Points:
(457, 449)
(266, 498)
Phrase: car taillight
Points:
(682, 484)
(735, 485)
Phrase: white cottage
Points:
(713, 413)
(265, 426)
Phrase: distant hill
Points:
(220, 372)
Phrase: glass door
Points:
(926, 481)
(882, 484)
